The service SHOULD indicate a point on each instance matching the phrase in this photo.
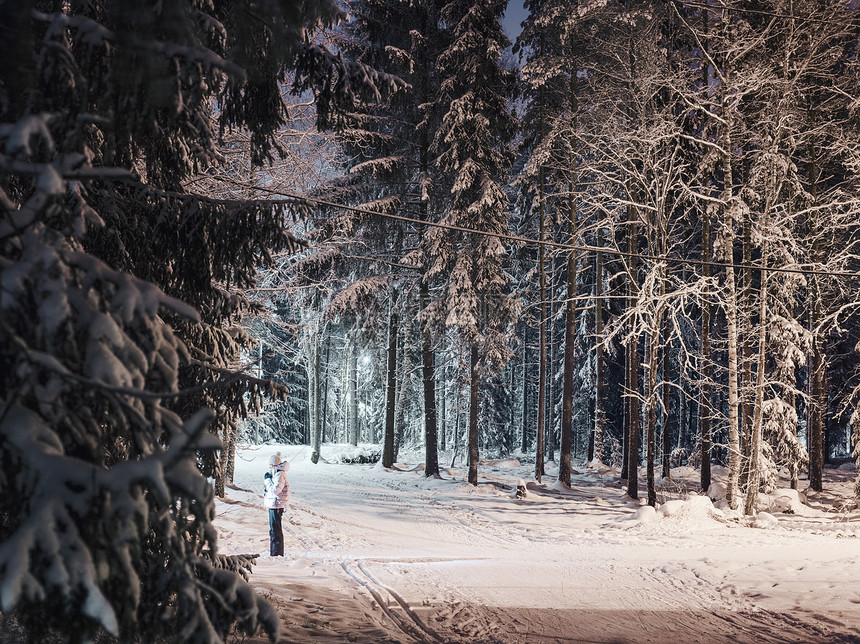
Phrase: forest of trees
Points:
(627, 237)
(630, 241)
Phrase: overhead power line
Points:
(530, 240)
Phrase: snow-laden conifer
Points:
(472, 151)
(118, 311)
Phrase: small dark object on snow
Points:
(521, 489)
(362, 459)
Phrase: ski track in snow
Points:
(376, 556)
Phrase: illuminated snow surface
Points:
(392, 556)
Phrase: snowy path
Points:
(392, 556)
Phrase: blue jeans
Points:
(276, 533)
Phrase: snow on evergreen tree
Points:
(472, 145)
(117, 317)
(545, 83)
(385, 149)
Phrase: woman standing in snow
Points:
(277, 498)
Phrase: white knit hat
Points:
(275, 459)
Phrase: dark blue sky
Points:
(515, 14)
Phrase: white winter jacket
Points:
(278, 487)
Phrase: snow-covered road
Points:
(375, 555)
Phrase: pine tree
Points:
(472, 149)
(390, 170)
(545, 82)
(117, 317)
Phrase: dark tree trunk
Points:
(599, 413)
(747, 403)
(667, 398)
(459, 414)
(390, 386)
(539, 433)
(550, 423)
(525, 417)
(815, 433)
(473, 415)
(324, 406)
(625, 420)
(442, 388)
(400, 405)
(650, 436)
(705, 368)
(566, 439)
(632, 365)
(431, 452)
(816, 444)
(353, 396)
(228, 438)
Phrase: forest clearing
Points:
(475, 252)
(376, 555)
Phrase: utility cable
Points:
(529, 240)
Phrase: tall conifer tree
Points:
(117, 315)
(472, 147)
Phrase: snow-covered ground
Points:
(391, 556)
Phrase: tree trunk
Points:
(667, 398)
(312, 371)
(754, 465)
(625, 420)
(818, 405)
(323, 372)
(231, 457)
(684, 414)
(525, 417)
(390, 385)
(653, 340)
(599, 368)
(747, 404)
(441, 387)
(315, 407)
(816, 445)
(564, 464)
(733, 400)
(730, 292)
(705, 367)
(473, 415)
(228, 438)
(539, 434)
(400, 405)
(549, 432)
(459, 415)
(431, 452)
(632, 365)
(353, 396)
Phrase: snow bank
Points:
(361, 454)
(645, 514)
(717, 491)
(679, 516)
(684, 471)
(764, 520)
(502, 463)
(596, 469)
(786, 501)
